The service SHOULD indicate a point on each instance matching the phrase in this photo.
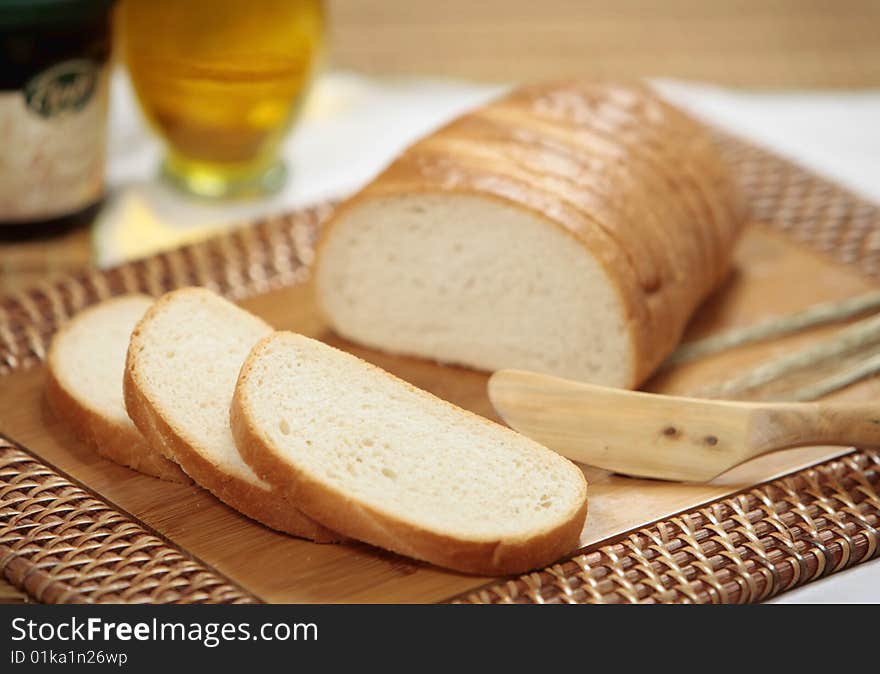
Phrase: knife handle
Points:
(782, 425)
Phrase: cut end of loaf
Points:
(470, 280)
(84, 384)
(88, 355)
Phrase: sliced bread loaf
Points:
(84, 384)
(183, 361)
(379, 460)
(568, 228)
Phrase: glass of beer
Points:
(221, 82)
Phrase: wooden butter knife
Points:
(668, 437)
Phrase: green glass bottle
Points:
(54, 63)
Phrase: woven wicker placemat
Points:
(61, 542)
(740, 549)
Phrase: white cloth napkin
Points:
(836, 134)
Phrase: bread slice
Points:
(183, 361)
(84, 384)
(568, 228)
(379, 460)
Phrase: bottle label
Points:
(54, 132)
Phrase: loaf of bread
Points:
(84, 384)
(381, 461)
(182, 365)
(566, 228)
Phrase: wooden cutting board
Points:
(773, 276)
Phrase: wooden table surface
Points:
(754, 43)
